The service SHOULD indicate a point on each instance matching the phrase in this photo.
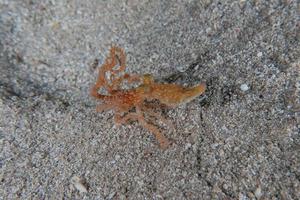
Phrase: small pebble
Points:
(259, 54)
(208, 30)
(258, 193)
(79, 184)
(188, 145)
(244, 87)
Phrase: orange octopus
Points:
(133, 104)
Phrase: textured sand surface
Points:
(240, 140)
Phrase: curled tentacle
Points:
(116, 56)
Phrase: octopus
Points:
(135, 103)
